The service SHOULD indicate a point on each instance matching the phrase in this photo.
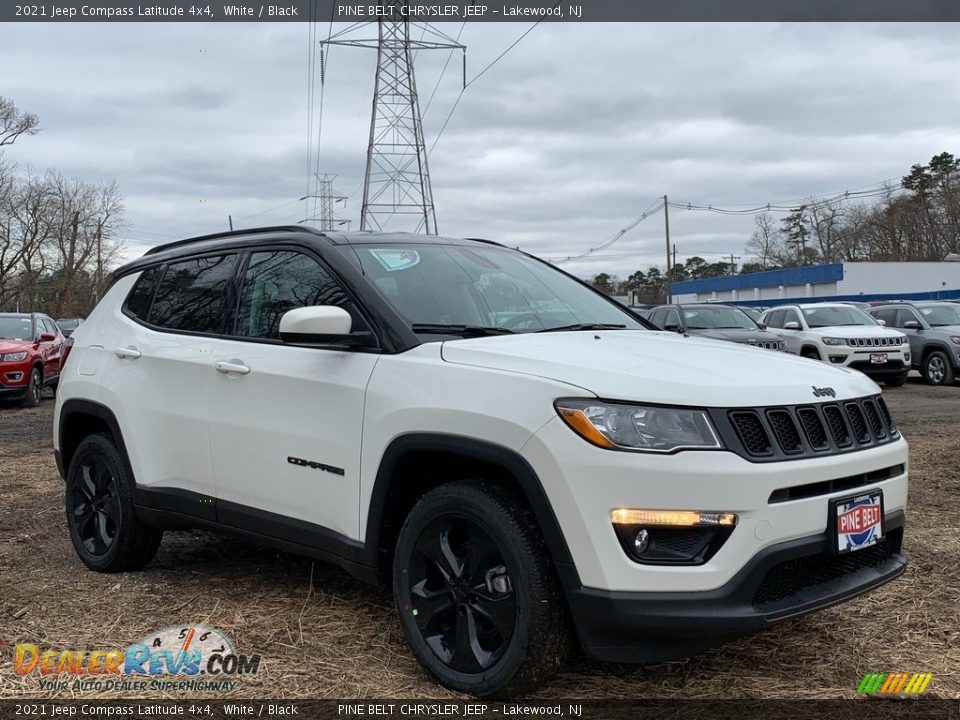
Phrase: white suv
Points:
(506, 446)
(842, 335)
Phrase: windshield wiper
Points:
(585, 326)
(464, 330)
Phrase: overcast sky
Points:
(568, 138)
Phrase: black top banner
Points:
(484, 11)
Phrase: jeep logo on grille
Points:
(824, 392)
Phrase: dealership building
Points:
(822, 283)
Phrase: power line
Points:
(654, 207)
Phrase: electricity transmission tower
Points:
(397, 178)
(326, 198)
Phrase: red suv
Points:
(31, 354)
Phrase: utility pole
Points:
(666, 226)
(397, 178)
(327, 197)
(733, 265)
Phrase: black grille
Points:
(827, 487)
(813, 428)
(785, 431)
(887, 418)
(877, 426)
(857, 422)
(838, 427)
(793, 576)
(751, 433)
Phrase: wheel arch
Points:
(810, 347)
(395, 491)
(933, 346)
(80, 419)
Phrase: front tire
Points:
(937, 369)
(811, 353)
(34, 391)
(104, 527)
(478, 599)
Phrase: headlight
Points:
(955, 340)
(637, 427)
(14, 357)
(834, 341)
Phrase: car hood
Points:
(737, 335)
(946, 329)
(856, 331)
(12, 346)
(661, 367)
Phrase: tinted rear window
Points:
(191, 294)
(138, 301)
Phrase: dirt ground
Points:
(339, 638)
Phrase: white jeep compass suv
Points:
(843, 335)
(518, 455)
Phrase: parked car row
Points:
(33, 349)
(882, 340)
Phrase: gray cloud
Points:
(561, 143)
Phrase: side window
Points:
(656, 317)
(791, 316)
(191, 294)
(888, 316)
(775, 319)
(278, 281)
(138, 300)
(904, 315)
(49, 326)
(672, 318)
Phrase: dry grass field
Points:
(337, 638)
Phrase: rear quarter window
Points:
(138, 299)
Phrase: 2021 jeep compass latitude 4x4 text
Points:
(522, 458)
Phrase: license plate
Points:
(857, 522)
(878, 358)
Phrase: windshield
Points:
(717, 318)
(836, 316)
(434, 286)
(16, 328)
(752, 312)
(940, 315)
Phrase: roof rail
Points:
(232, 233)
(488, 242)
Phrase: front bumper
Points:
(14, 378)
(781, 581)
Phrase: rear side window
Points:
(775, 319)
(138, 301)
(278, 281)
(191, 294)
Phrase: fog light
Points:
(837, 358)
(687, 518)
(906, 357)
(641, 542)
(671, 537)
(14, 376)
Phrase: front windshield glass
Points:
(753, 313)
(836, 316)
(16, 328)
(489, 287)
(940, 315)
(717, 318)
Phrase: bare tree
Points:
(766, 242)
(14, 122)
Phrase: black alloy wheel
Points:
(96, 506)
(461, 594)
(476, 592)
(34, 391)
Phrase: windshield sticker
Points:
(393, 260)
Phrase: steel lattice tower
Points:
(326, 197)
(397, 179)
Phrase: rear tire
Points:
(937, 369)
(104, 527)
(34, 391)
(478, 599)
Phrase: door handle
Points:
(235, 366)
(127, 352)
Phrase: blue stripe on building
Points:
(813, 274)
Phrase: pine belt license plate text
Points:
(857, 522)
(878, 358)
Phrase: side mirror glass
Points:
(792, 325)
(912, 324)
(323, 325)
